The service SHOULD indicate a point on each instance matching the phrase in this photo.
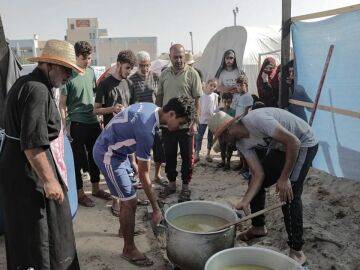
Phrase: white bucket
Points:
(253, 256)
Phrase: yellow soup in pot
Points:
(199, 222)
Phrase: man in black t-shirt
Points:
(115, 92)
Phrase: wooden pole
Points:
(285, 52)
(323, 75)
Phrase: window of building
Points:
(72, 26)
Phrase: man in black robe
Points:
(38, 225)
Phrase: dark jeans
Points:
(171, 140)
(158, 149)
(200, 135)
(226, 151)
(84, 136)
(273, 163)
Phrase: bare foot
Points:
(252, 232)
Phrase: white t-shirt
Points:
(262, 123)
(241, 102)
(208, 107)
(228, 78)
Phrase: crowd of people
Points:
(116, 127)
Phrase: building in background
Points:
(25, 48)
(106, 49)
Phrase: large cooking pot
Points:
(252, 256)
(190, 250)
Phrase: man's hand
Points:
(54, 191)
(135, 167)
(118, 108)
(243, 206)
(283, 187)
(193, 129)
(157, 216)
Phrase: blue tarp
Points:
(339, 135)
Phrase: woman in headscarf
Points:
(268, 83)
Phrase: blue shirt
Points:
(130, 131)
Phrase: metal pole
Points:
(285, 52)
(192, 43)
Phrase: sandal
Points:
(102, 194)
(249, 235)
(140, 262)
(185, 196)
(161, 181)
(166, 192)
(209, 159)
(86, 201)
(115, 212)
(221, 164)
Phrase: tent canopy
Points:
(251, 45)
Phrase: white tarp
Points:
(248, 43)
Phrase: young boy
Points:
(226, 149)
(242, 103)
(208, 107)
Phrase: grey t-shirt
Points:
(262, 124)
(228, 78)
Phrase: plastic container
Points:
(253, 256)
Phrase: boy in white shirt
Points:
(208, 107)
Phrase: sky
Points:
(170, 21)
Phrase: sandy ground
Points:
(331, 222)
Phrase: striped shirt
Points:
(145, 90)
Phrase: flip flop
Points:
(141, 262)
(115, 212)
(86, 201)
(184, 196)
(102, 194)
(138, 231)
(161, 181)
(166, 192)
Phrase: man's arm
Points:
(62, 107)
(98, 109)
(292, 146)
(159, 100)
(144, 169)
(257, 179)
(39, 162)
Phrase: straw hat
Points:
(58, 52)
(189, 58)
(218, 124)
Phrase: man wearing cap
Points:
(38, 225)
(279, 148)
(76, 103)
(177, 80)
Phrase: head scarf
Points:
(223, 65)
(270, 99)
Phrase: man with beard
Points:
(227, 73)
(177, 80)
(38, 225)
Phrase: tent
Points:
(251, 45)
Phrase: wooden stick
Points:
(322, 79)
(310, 105)
(258, 213)
(326, 13)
